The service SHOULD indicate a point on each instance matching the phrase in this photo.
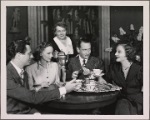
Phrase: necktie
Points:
(22, 76)
(84, 62)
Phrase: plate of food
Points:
(97, 88)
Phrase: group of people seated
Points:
(43, 81)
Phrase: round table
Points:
(82, 101)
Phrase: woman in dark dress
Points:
(128, 75)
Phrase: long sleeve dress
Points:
(131, 98)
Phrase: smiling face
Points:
(120, 54)
(84, 50)
(47, 54)
(60, 32)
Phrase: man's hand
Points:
(86, 71)
(71, 85)
(75, 74)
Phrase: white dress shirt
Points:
(81, 60)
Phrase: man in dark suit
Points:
(19, 98)
(83, 61)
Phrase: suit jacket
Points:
(19, 97)
(74, 65)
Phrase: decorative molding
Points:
(37, 30)
(105, 34)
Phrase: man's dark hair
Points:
(83, 39)
(18, 46)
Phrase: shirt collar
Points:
(17, 68)
(81, 60)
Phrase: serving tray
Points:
(98, 88)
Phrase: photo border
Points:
(145, 5)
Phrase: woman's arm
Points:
(30, 78)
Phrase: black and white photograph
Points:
(75, 60)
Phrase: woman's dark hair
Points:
(129, 50)
(40, 49)
(83, 39)
(18, 46)
(61, 24)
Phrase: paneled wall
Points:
(80, 21)
(17, 23)
(37, 22)
(97, 22)
(37, 25)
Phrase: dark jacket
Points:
(19, 97)
(74, 65)
(131, 86)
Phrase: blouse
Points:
(37, 74)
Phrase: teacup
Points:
(97, 72)
(79, 84)
(79, 81)
(90, 87)
(92, 82)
